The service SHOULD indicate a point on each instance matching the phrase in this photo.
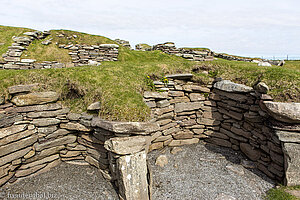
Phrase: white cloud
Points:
(241, 27)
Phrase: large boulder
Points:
(284, 112)
(264, 64)
(35, 98)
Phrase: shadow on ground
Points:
(64, 182)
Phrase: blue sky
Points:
(249, 27)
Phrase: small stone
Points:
(94, 106)
(250, 151)
(161, 160)
(236, 169)
(175, 150)
(262, 88)
(45, 122)
(75, 127)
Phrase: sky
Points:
(248, 28)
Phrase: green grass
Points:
(281, 194)
(6, 34)
(51, 52)
(119, 85)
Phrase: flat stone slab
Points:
(65, 181)
(141, 128)
(284, 112)
(180, 76)
(229, 86)
(206, 172)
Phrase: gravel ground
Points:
(63, 182)
(207, 172)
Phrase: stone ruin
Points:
(81, 54)
(124, 43)
(38, 133)
(187, 53)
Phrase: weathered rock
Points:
(57, 142)
(292, 163)
(286, 136)
(4, 132)
(47, 130)
(16, 137)
(156, 145)
(94, 106)
(285, 112)
(175, 143)
(264, 64)
(132, 172)
(175, 150)
(35, 98)
(181, 107)
(75, 127)
(26, 172)
(59, 132)
(161, 160)
(45, 114)
(28, 60)
(262, 88)
(15, 146)
(183, 135)
(39, 162)
(219, 142)
(196, 97)
(73, 116)
(20, 89)
(162, 103)
(13, 156)
(180, 76)
(229, 86)
(45, 121)
(126, 145)
(250, 151)
(142, 128)
(109, 45)
(156, 95)
(38, 108)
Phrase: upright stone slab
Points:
(292, 163)
(132, 172)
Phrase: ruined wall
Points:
(80, 54)
(229, 115)
(189, 54)
(38, 133)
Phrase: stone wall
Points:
(80, 54)
(229, 115)
(124, 43)
(38, 133)
(92, 54)
(190, 54)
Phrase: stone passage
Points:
(37, 133)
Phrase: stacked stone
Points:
(143, 47)
(87, 54)
(196, 55)
(178, 110)
(243, 126)
(127, 144)
(124, 43)
(231, 57)
(37, 133)
(189, 54)
(167, 47)
(12, 57)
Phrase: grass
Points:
(119, 85)
(281, 194)
(6, 34)
(51, 52)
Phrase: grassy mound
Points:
(119, 85)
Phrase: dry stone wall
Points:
(229, 115)
(37, 133)
(92, 54)
(80, 54)
(189, 54)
